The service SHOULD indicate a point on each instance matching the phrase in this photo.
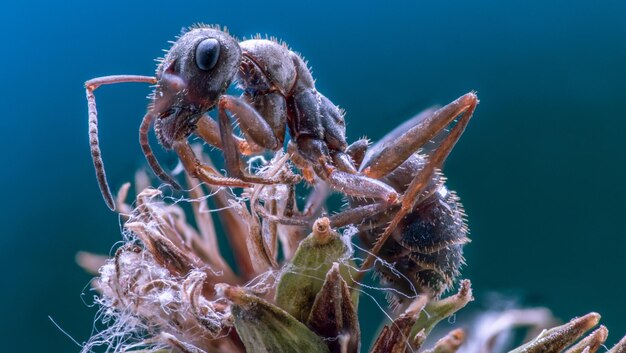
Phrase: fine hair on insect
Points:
(397, 196)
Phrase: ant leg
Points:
(357, 151)
(254, 127)
(353, 216)
(350, 160)
(298, 160)
(290, 214)
(399, 147)
(96, 154)
(208, 130)
(357, 215)
(252, 124)
(144, 128)
(316, 153)
(421, 180)
(197, 169)
(399, 130)
(343, 162)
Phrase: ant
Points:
(279, 91)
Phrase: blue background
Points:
(540, 169)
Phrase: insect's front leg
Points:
(255, 128)
(201, 171)
(399, 145)
(208, 130)
(290, 214)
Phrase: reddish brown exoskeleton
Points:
(279, 91)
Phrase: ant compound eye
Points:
(207, 53)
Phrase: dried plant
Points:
(169, 289)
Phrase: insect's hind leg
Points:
(464, 105)
(398, 146)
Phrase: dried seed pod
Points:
(334, 315)
(556, 339)
(591, 343)
(396, 338)
(450, 343)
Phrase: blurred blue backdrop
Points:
(541, 168)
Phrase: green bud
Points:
(265, 328)
(304, 276)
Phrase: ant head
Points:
(193, 75)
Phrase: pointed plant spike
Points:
(204, 222)
(260, 261)
(450, 343)
(120, 200)
(164, 251)
(236, 227)
(304, 276)
(556, 339)
(265, 328)
(333, 314)
(620, 347)
(396, 338)
(592, 342)
(179, 345)
(438, 310)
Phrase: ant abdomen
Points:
(425, 251)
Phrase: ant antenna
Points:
(96, 154)
(147, 151)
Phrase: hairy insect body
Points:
(278, 84)
(184, 90)
(279, 93)
(425, 250)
